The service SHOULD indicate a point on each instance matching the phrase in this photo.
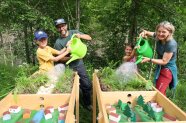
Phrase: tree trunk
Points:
(69, 25)
(11, 55)
(77, 14)
(26, 44)
(133, 28)
(33, 51)
(1, 40)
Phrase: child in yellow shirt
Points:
(45, 54)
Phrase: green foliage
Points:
(89, 69)
(149, 85)
(106, 72)
(29, 85)
(22, 13)
(26, 83)
(107, 21)
(7, 79)
(114, 19)
(179, 98)
(65, 82)
(26, 70)
(181, 56)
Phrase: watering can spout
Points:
(73, 57)
(139, 59)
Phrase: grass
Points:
(25, 80)
(178, 96)
(22, 84)
(7, 75)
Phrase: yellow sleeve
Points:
(45, 55)
(53, 51)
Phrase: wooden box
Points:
(104, 98)
(36, 101)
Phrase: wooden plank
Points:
(33, 101)
(102, 111)
(94, 96)
(70, 117)
(74, 98)
(5, 103)
(77, 98)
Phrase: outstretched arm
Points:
(166, 58)
(62, 55)
(146, 34)
(83, 36)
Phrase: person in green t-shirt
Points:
(76, 65)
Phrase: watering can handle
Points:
(139, 40)
(138, 44)
(73, 36)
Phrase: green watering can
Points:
(144, 51)
(78, 49)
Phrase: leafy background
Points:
(110, 23)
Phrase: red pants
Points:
(164, 80)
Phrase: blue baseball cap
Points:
(38, 35)
(59, 21)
